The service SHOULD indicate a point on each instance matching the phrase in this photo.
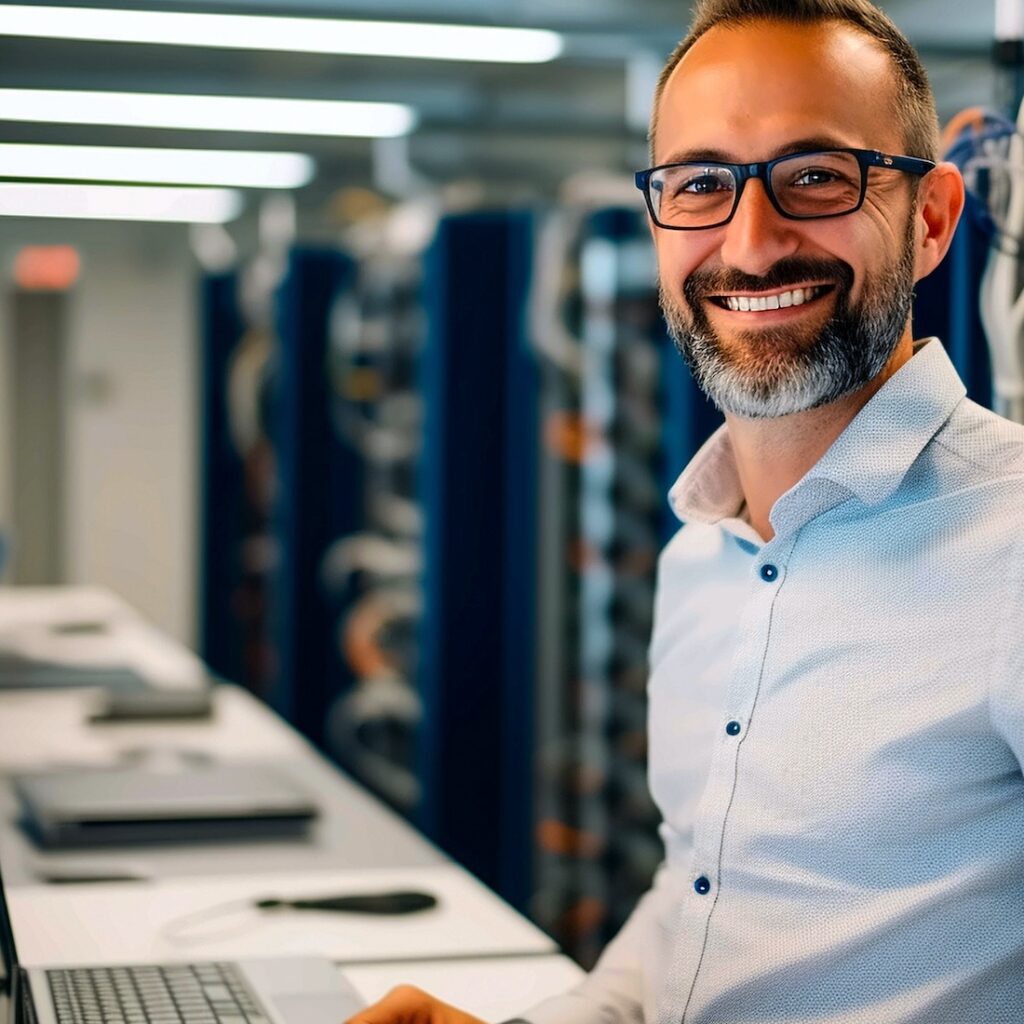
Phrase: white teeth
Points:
(757, 303)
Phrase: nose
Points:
(758, 236)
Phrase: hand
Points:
(410, 1005)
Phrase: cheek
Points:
(880, 238)
(861, 243)
(682, 252)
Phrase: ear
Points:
(940, 200)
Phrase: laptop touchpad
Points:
(316, 1009)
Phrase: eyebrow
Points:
(718, 156)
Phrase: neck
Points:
(772, 455)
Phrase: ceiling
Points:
(523, 128)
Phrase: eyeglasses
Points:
(801, 186)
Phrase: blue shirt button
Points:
(769, 573)
(702, 885)
(733, 728)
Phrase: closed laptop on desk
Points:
(130, 805)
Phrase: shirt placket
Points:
(746, 686)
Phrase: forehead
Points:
(748, 90)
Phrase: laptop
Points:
(278, 990)
(123, 805)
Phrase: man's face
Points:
(755, 92)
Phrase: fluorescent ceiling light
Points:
(206, 113)
(300, 35)
(168, 166)
(120, 202)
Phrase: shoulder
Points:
(968, 485)
(974, 463)
(989, 444)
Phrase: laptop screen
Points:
(8, 965)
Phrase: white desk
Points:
(78, 925)
(91, 627)
(48, 728)
(212, 918)
(473, 950)
(490, 989)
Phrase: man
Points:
(837, 670)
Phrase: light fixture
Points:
(299, 35)
(120, 202)
(206, 113)
(238, 168)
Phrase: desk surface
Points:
(490, 989)
(50, 728)
(495, 962)
(91, 627)
(213, 918)
(40, 729)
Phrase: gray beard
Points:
(778, 375)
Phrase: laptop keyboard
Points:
(172, 994)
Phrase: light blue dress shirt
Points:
(836, 725)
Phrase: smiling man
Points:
(837, 669)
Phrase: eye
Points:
(815, 176)
(703, 184)
(701, 181)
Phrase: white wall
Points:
(132, 445)
(5, 407)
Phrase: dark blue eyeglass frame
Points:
(866, 158)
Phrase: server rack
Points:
(318, 489)
(621, 417)
(460, 541)
(377, 338)
(222, 493)
(278, 486)
(479, 451)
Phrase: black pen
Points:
(385, 903)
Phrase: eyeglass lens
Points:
(804, 185)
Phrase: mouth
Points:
(763, 302)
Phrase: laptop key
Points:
(218, 993)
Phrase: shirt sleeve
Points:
(616, 990)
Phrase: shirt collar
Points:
(868, 460)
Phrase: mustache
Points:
(791, 270)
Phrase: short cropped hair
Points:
(915, 102)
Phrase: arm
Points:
(612, 993)
(620, 988)
(616, 990)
